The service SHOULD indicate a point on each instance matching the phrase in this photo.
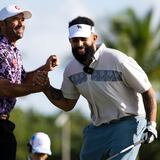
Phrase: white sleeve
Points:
(68, 89)
(134, 76)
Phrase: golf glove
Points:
(150, 133)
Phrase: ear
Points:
(95, 36)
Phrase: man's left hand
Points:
(150, 133)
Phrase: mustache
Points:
(19, 27)
(82, 47)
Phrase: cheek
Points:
(72, 45)
(14, 24)
(89, 43)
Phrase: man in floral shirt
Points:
(14, 81)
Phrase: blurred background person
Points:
(39, 147)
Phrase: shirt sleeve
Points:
(4, 67)
(23, 74)
(134, 76)
(68, 88)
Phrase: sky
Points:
(46, 33)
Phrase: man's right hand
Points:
(40, 78)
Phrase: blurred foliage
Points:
(27, 123)
(137, 37)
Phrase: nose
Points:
(21, 22)
(79, 43)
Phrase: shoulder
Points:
(115, 55)
(4, 53)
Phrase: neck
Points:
(10, 40)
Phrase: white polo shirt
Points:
(113, 90)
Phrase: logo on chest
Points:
(14, 61)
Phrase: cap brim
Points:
(41, 150)
(27, 14)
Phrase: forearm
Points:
(16, 90)
(150, 104)
(56, 97)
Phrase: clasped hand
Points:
(51, 62)
(41, 78)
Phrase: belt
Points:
(120, 119)
(4, 116)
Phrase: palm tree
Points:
(136, 37)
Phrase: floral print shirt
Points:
(11, 68)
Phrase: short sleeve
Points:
(134, 76)
(4, 71)
(69, 90)
(23, 73)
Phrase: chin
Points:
(19, 36)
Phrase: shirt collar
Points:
(98, 52)
(4, 40)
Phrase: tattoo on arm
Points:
(56, 94)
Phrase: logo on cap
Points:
(79, 27)
(18, 8)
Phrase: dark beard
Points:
(88, 55)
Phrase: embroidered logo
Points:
(14, 61)
(18, 8)
(79, 27)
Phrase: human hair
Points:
(81, 20)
